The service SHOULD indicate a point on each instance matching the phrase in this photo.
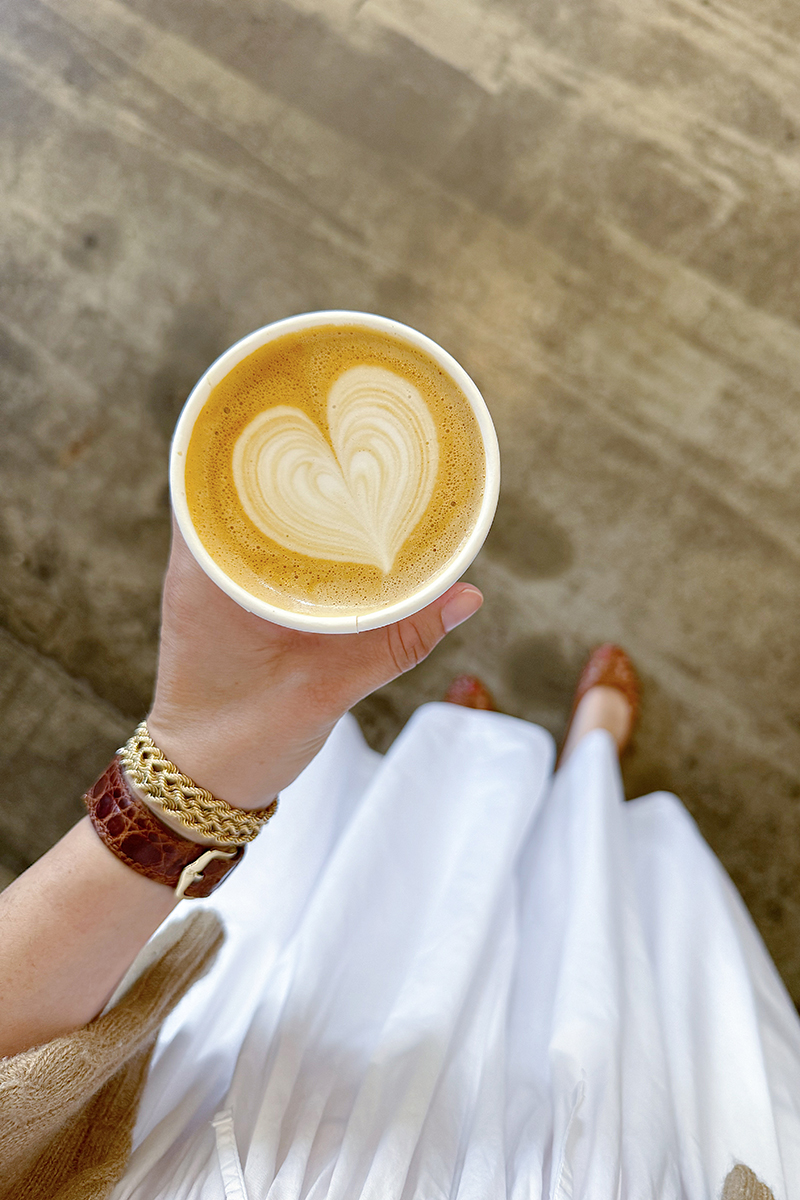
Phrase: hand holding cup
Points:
(332, 476)
(242, 705)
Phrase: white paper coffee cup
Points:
(335, 622)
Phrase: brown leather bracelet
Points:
(131, 831)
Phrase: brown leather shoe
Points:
(608, 666)
(468, 691)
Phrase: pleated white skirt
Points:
(450, 974)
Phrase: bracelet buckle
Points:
(193, 871)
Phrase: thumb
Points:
(408, 642)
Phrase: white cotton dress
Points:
(452, 975)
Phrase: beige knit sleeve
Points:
(67, 1109)
(742, 1184)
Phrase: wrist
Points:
(214, 761)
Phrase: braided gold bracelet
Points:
(168, 789)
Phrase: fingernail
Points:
(460, 607)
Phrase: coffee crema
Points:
(335, 469)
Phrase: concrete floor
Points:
(593, 204)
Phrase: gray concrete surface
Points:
(592, 203)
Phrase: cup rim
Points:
(317, 622)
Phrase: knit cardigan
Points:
(67, 1109)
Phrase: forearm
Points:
(70, 927)
(242, 707)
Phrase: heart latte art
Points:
(335, 470)
(356, 498)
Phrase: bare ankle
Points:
(600, 708)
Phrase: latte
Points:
(334, 470)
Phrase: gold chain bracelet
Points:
(175, 793)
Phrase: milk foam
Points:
(355, 499)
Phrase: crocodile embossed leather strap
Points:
(131, 831)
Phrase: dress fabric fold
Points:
(451, 975)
